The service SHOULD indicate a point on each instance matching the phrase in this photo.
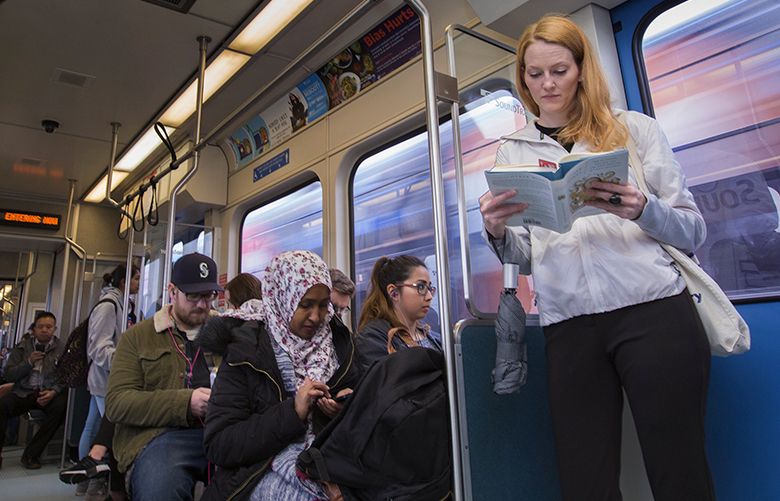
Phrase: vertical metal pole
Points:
(128, 275)
(114, 139)
(94, 270)
(440, 235)
(140, 304)
(66, 252)
(66, 257)
(458, 161)
(167, 259)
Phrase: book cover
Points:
(556, 196)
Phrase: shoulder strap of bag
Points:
(106, 300)
(634, 164)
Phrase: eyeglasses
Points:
(422, 288)
(196, 297)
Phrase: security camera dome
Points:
(50, 125)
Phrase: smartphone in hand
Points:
(342, 398)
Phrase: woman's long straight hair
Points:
(591, 119)
(386, 271)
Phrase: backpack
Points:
(73, 365)
(391, 440)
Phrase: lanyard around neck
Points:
(190, 363)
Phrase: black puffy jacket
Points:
(250, 418)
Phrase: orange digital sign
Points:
(29, 219)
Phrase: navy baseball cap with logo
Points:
(194, 273)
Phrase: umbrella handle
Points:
(511, 271)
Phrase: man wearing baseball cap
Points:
(159, 388)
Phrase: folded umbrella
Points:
(511, 370)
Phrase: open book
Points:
(556, 195)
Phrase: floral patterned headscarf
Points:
(287, 279)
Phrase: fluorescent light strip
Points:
(141, 149)
(262, 29)
(267, 24)
(218, 72)
(98, 193)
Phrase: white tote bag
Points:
(727, 331)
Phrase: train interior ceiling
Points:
(86, 81)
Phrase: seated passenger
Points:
(159, 388)
(242, 288)
(341, 293)
(31, 366)
(399, 297)
(283, 366)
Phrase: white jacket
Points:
(106, 323)
(605, 262)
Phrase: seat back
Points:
(507, 439)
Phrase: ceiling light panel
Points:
(140, 150)
(98, 193)
(219, 71)
(267, 24)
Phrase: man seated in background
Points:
(159, 388)
(31, 366)
(341, 293)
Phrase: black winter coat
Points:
(250, 418)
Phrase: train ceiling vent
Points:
(72, 78)
(182, 6)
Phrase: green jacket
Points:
(146, 390)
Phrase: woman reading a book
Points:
(615, 313)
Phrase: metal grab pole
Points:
(66, 257)
(202, 45)
(460, 180)
(128, 276)
(114, 140)
(440, 235)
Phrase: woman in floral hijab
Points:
(283, 366)
(291, 277)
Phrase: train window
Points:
(188, 238)
(291, 222)
(391, 197)
(712, 69)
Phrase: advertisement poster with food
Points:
(315, 98)
(378, 52)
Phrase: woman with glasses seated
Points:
(399, 297)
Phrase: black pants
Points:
(658, 352)
(13, 405)
(105, 437)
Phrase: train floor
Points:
(20, 484)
